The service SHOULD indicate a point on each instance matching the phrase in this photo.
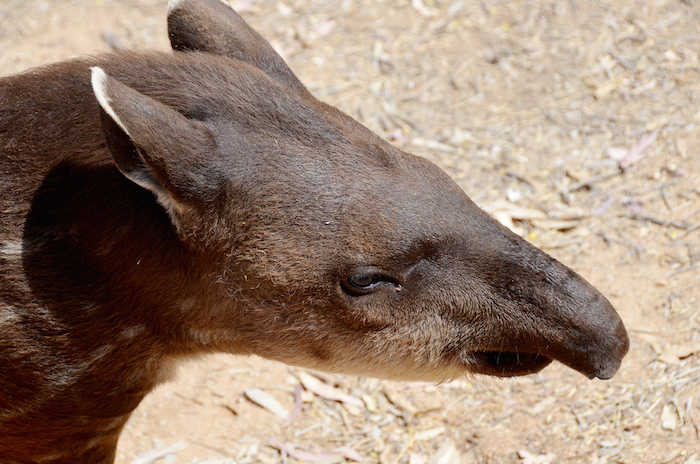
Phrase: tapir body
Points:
(157, 206)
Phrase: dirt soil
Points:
(574, 122)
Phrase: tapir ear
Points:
(212, 26)
(155, 146)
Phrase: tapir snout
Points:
(543, 309)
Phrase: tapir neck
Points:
(96, 294)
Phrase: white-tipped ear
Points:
(99, 86)
(174, 5)
(224, 2)
(155, 146)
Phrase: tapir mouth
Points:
(507, 363)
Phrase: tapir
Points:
(157, 206)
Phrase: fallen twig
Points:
(298, 404)
(593, 180)
(678, 376)
(634, 154)
(662, 222)
(682, 270)
(345, 451)
(151, 456)
(689, 412)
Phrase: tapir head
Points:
(328, 247)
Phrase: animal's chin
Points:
(506, 363)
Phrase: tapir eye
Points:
(364, 281)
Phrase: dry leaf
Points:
(429, 434)
(673, 171)
(265, 400)
(505, 219)
(325, 27)
(553, 224)
(604, 207)
(616, 153)
(218, 461)
(522, 214)
(668, 418)
(153, 455)
(284, 9)
(674, 354)
(470, 458)
(671, 56)
(635, 153)
(432, 145)
(541, 406)
(343, 451)
(397, 400)
(328, 392)
(633, 204)
(370, 403)
(420, 7)
(505, 211)
(446, 454)
(529, 458)
(671, 455)
(603, 90)
(684, 351)
(242, 6)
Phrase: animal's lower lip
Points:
(508, 364)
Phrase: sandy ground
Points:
(533, 107)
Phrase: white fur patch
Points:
(8, 317)
(72, 373)
(11, 250)
(99, 86)
(132, 332)
(174, 5)
(99, 353)
(177, 4)
(224, 2)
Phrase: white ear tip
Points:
(98, 76)
(174, 5)
(99, 86)
(224, 2)
(177, 4)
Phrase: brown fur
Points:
(209, 203)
